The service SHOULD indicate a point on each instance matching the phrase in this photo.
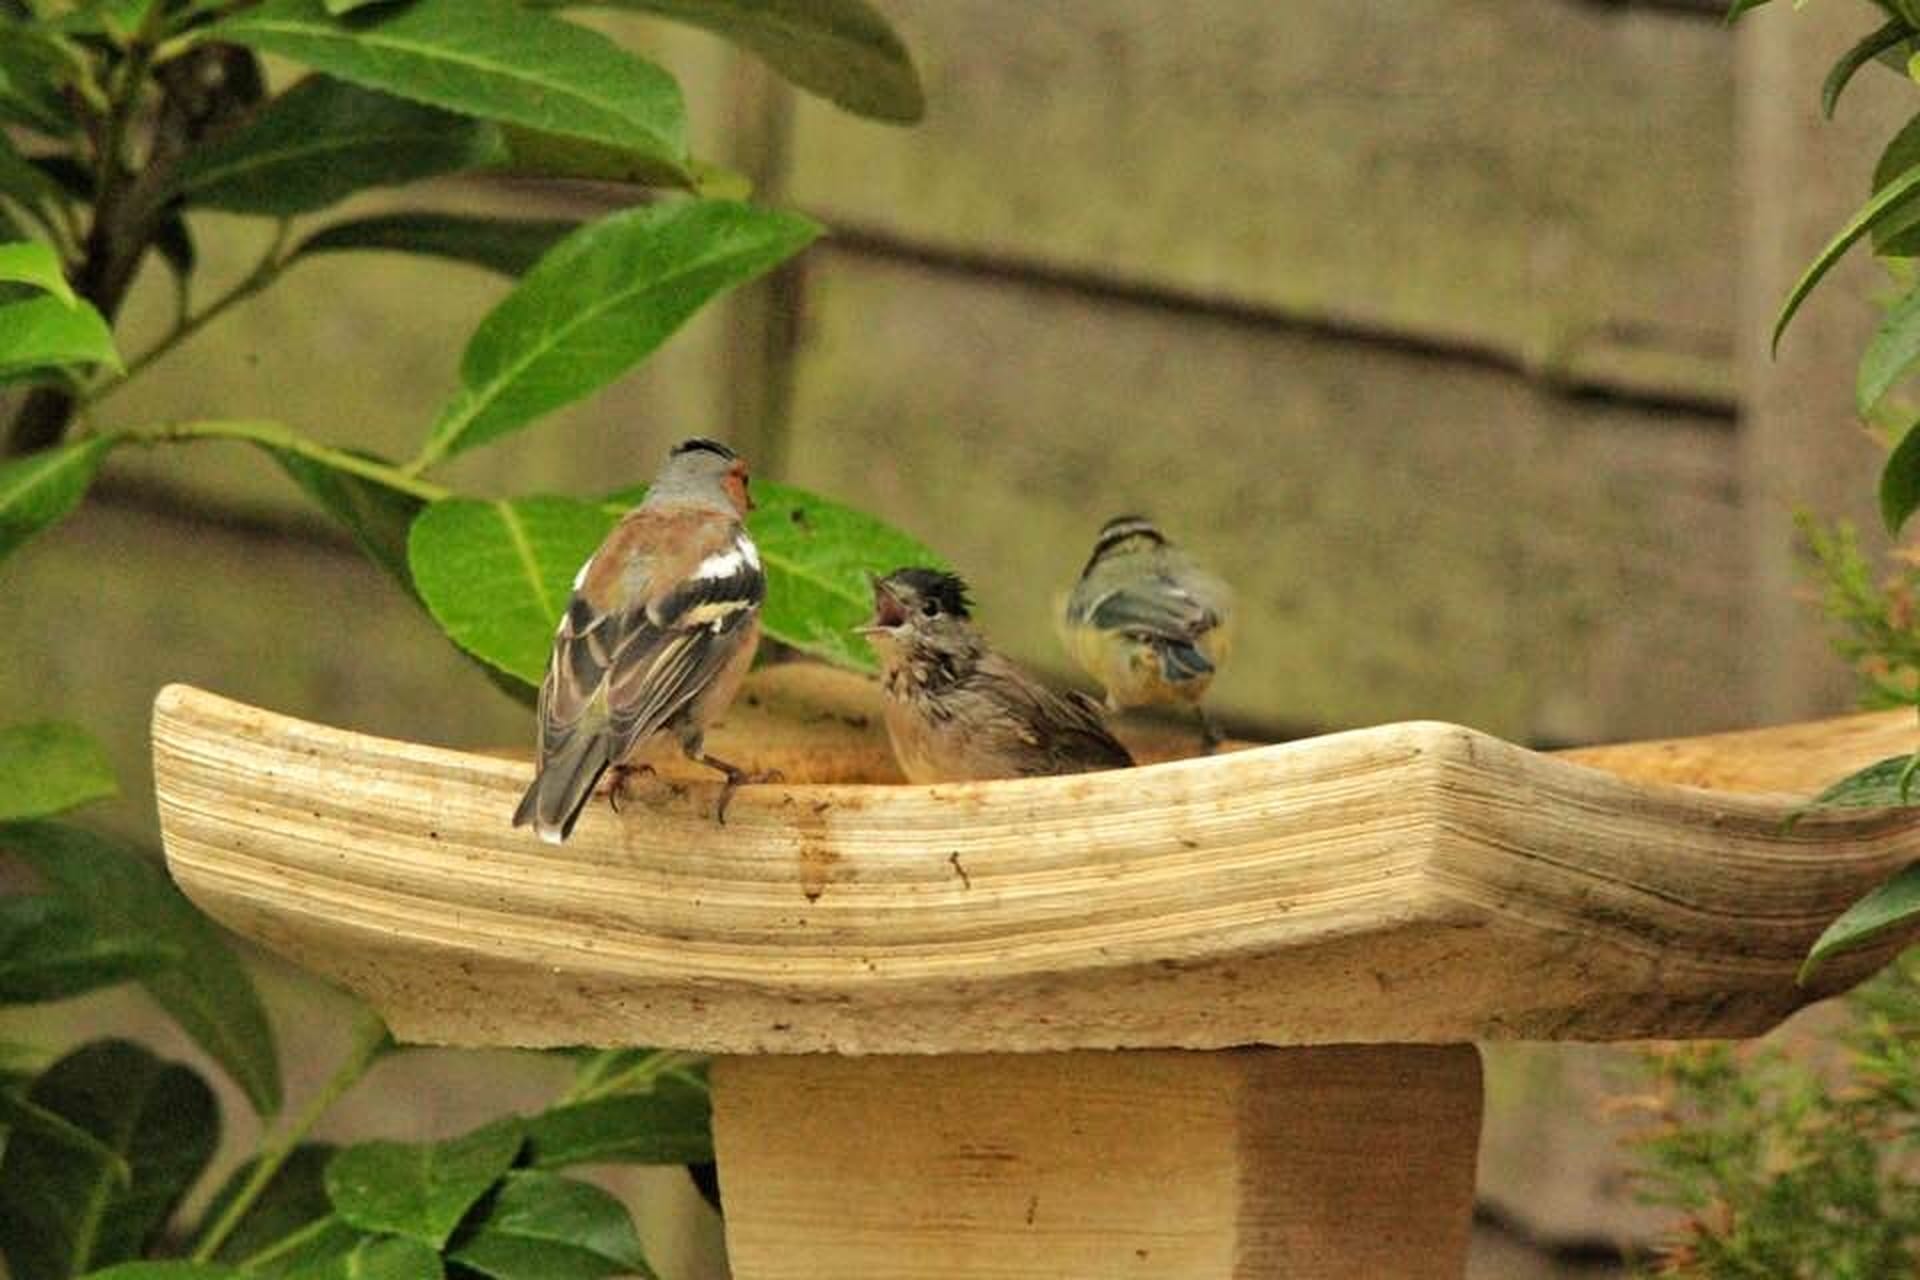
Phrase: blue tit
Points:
(1147, 622)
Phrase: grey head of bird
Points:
(916, 609)
(1122, 535)
(702, 472)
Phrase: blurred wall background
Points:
(1438, 327)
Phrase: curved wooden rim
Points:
(1407, 883)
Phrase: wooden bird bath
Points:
(1001, 1029)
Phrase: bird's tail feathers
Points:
(562, 787)
(1180, 661)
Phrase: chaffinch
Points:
(1146, 621)
(955, 709)
(661, 626)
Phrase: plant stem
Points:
(590, 1084)
(277, 435)
(264, 273)
(288, 1243)
(370, 1040)
(117, 235)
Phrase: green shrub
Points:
(119, 121)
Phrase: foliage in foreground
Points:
(1784, 1168)
(1877, 629)
(119, 121)
(1798, 1160)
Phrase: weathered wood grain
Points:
(1408, 537)
(1410, 883)
(1549, 180)
(1302, 1164)
(1788, 758)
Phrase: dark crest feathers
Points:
(1123, 529)
(700, 444)
(948, 589)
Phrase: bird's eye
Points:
(931, 609)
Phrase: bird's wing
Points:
(659, 610)
(1069, 728)
(1157, 605)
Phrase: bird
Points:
(1147, 622)
(659, 629)
(957, 710)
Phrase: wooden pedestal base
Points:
(1303, 1163)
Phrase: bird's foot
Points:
(736, 778)
(620, 777)
(1210, 735)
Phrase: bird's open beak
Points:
(889, 615)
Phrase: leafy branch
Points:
(120, 122)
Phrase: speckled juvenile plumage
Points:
(660, 628)
(958, 711)
(1146, 621)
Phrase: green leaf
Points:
(64, 1212)
(1894, 349)
(505, 245)
(322, 141)
(32, 66)
(172, 1269)
(485, 58)
(671, 1124)
(49, 950)
(337, 7)
(31, 262)
(1738, 7)
(1898, 234)
(17, 1113)
(118, 20)
(533, 153)
(378, 517)
(1900, 481)
(46, 331)
(294, 1198)
(1876, 210)
(1892, 905)
(47, 767)
(818, 554)
(600, 302)
(842, 50)
(1869, 47)
(374, 1258)
(24, 183)
(421, 1190)
(544, 1227)
(309, 1250)
(208, 992)
(604, 297)
(41, 488)
(496, 575)
(1881, 784)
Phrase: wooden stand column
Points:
(1307, 1163)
